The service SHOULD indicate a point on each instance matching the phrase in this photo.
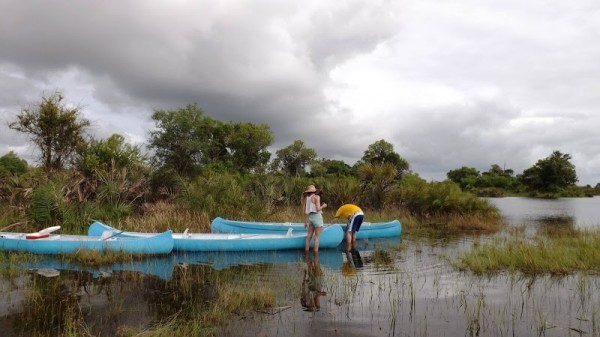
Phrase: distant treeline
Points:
(551, 177)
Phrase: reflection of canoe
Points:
(161, 267)
(330, 238)
(68, 244)
(328, 258)
(367, 230)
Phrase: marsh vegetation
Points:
(459, 268)
(424, 284)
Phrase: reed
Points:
(236, 298)
(556, 255)
(10, 263)
(51, 308)
(174, 326)
(199, 300)
(90, 258)
(382, 258)
(163, 215)
(429, 224)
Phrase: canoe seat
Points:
(289, 232)
(105, 235)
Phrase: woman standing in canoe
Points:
(312, 207)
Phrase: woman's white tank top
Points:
(310, 206)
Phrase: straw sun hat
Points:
(310, 188)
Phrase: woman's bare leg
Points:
(309, 235)
(318, 231)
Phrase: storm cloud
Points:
(449, 84)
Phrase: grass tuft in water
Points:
(90, 258)
(382, 257)
(553, 254)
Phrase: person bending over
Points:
(355, 218)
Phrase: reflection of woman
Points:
(311, 206)
(310, 299)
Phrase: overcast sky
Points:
(448, 83)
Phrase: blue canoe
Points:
(68, 244)
(367, 230)
(208, 242)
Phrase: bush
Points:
(439, 198)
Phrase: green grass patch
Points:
(90, 258)
(576, 251)
(198, 301)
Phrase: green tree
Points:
(465, 177)
(382, 152)
(293, 159)
(322, 167)
(55, 128)
(497, 170)
(248, 146)
(12, 165)
(185, 140)
(498, 177)
(181, 139)
(113, 152)
(551, 174)
(376, 181)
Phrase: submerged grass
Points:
(90, 258)
(171, 327)
(51, 308)
(544, 253)
(10, 263)
(199, 300)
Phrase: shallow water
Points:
(411, 289)
(422, 295)
(581, 212)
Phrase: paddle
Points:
(42, 233)
(115, 233)
(49, 230)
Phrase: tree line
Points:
(553, 176)
(222, 168)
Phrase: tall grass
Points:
(199, 299)
(163, 215)
(51, 309)
(553, 254)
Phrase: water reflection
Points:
(51, 307)
(85, 303)
(187, 294)
(329, 258)
(161, 267)
(583, 212)
(353, 261)
(312, 284)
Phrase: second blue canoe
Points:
(367, 230)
